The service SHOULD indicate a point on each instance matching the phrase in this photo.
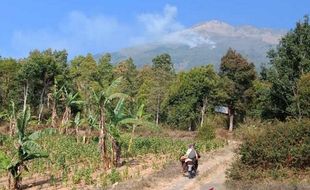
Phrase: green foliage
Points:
(4, 161)
(27, 149)
(127, 70)
(207, 131)
(165, 145)
(187, 93)
(8, 72)
(261, 106)
(84, 175)
(241, 74)
(272, 151)
(301, 101)
(114, 176)
(163, 62)
(105, 71)
(39, 71)
(278, 145)
(288, 62)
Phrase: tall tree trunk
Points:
(116, 152)
(65, 118)
(54, 114)
(41, 103)
(231, 119)
(203, 110)
(25, 95)
(12, 125)
(157, 111)
(77, 133)
(15, 182)
(131, 138)
(10, 180)
(296, 96)
(103, 140)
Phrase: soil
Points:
(211, 174)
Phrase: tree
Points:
(163, 62)
(105, 71)
(55, 97)
(8, 72)
(70, 99)
(127, 70)
(84, 72)
(161, 76)
(102, 99)
(241, 73)
(38, 73)
(261, 106)
(301, 101)
(190, 95)
(289, 61)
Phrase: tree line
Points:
(58, 89)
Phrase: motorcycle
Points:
(191, 168)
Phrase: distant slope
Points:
(205, 44)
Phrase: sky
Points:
(96, 26)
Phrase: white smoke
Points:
(164, 28)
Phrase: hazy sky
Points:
(96, 26)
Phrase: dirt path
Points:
(211, 174)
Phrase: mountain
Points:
(205, 44)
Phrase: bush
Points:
(206, 132)
(278, 145)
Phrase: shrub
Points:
(278, 145)
(206, 132)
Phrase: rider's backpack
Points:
(192, 154)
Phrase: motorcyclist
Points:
(192, 154)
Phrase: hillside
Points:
(204, 44)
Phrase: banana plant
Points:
(118, 117)
(77, 123)
(103, 101)
(70, 100)
(92, 122)
(27, 150)
(139, 115)
(55, 97)
(11, 117)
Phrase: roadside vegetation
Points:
(272, 153)
(277, 151)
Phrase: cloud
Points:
(79, 33)
(164, 28)
(161, 24)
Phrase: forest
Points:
(82, 119)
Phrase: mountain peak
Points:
(220, 28)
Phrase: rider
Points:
(192, 154)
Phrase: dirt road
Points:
(211, 174)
